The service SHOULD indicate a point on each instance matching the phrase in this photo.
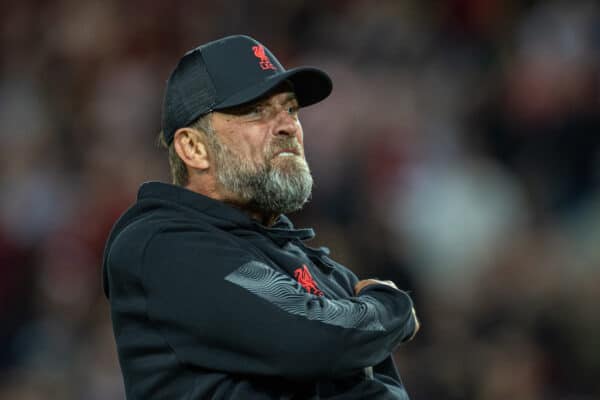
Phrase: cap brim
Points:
(310, 85)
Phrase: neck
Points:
(209, 188)
(267, 219)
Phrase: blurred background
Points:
(459, 155)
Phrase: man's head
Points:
(230, 120)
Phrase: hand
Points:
(366, 282)
(360, 285)
(417, 324)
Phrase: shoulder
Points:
(180, 245)
(132, 236)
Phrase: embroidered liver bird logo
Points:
(304, 278)
(265, 63)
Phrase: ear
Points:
(191, 148)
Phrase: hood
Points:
(162, 201)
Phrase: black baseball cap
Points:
(229, 72)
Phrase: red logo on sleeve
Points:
(305, 279)
(265, 63)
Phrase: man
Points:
(213, 293)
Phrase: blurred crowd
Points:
(459, 155)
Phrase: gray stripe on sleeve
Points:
(287, 294)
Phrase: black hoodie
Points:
(206, 303)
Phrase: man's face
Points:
(259, 156)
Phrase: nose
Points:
(288, 125)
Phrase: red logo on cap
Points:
(265, 63)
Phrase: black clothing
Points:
(206, 303)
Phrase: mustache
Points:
(284, 144)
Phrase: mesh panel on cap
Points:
(190, 93)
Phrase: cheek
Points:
(253, 146)
(300, 134)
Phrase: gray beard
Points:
(270, 188)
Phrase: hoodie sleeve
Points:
(220, 308)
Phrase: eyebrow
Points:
(290, 96)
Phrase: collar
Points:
(281, 232)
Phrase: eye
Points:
(293, 110)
